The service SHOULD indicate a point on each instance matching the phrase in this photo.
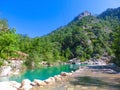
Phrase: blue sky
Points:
(40, 17)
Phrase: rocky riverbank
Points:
(26, 84)
(11, 67)
(85, 78)
(102, 77)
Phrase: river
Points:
(42, 73)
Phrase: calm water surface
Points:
(42, 73)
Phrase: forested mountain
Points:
(110, 13)
(112, 16)
(85, 37)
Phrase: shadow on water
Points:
(93, 81)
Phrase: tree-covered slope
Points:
(112, 16)
(85, 37)
(111, 13)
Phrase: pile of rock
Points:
(11, 68)
(28, 85)
(5, 71)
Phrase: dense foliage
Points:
(113, 17)
(83, 38)
(116, 46)
(8, 40)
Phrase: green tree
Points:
(32, 60)
(8, 43)
(117, 46)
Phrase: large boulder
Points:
(53, 79)
(5, 71)
(65, 74)
(6, 86)
(33, 84)
(15, 84)
(40, 82)
(26, 81)
(26, 84)
(58, 78)
(26, 87)
(50, 80)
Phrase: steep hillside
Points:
(112, 16)
(84, 37)
(111, 13)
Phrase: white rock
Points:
(33, 84)
(77, 71)
(57, 78)
(63, 74)
(40, 82)
(16, 72)
(26, 87)
(5, 70)
(15, 84)
(50, 80)
(5, 62)
(53, 79)
(6, 86)
(69, 74)
(26, 82)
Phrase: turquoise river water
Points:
(42, 73)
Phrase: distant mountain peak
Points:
(83, 14)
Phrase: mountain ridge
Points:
(95, 27)
(83, 14)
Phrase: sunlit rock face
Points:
(84, 14)
(5, 71)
